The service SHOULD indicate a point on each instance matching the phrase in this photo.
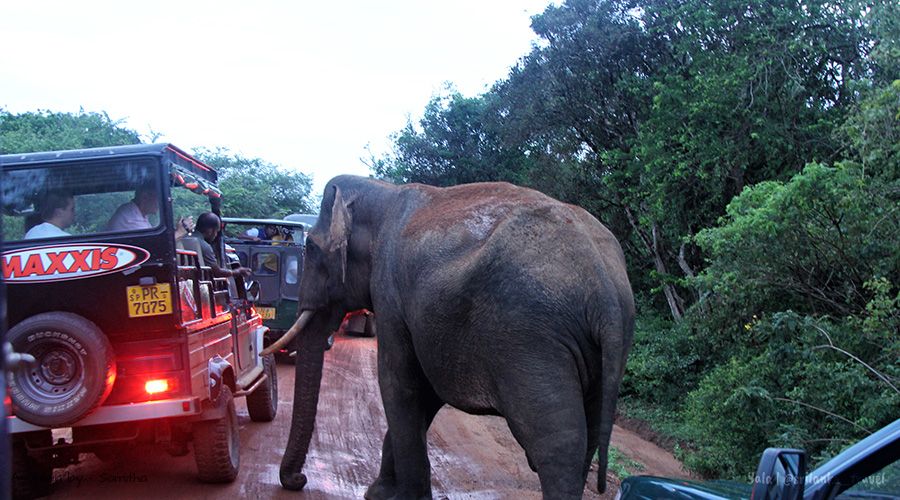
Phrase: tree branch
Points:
(835, 415)
(682, 262)
(851, 356)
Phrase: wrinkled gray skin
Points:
(491, 298)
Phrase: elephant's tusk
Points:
(301, 322)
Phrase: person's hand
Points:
(187, 223)
(184, 227)
(243, 271)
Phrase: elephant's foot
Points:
(384, 490)
(380, 490)
(293, 482)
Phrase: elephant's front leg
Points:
(410, 405)
(385, 485)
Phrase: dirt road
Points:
(471, 457)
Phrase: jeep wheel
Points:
(30, 477)
(217, 443)
(262, 404)
(73, 374)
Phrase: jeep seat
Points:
(193, 244)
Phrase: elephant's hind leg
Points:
(551, 427)
(557, 454)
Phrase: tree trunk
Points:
(651, 243)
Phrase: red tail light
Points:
(158, 386)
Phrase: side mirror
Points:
(252, 288)
(780, 475)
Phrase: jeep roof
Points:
(168, 151)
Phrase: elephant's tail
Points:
(610, 392)
(613, 332)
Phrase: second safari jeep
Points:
(273, 250)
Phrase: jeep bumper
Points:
(122, 413)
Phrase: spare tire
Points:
(74, 371)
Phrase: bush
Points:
(808, 245)
(795, 340)
(799, 391)
(802, 299)
(663, 364)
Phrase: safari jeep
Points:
(134, 341)
(276, 260)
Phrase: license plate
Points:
(266, 312)
(149, 300)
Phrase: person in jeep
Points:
(57, 213)
(134, 214)
(208, 226)
(260, 234)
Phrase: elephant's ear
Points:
(339, 232)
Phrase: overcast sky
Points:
(306, 85)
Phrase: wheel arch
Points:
(220, 372)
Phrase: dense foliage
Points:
(256, 188)
(252, 187)
(47, 131)
(746, 155)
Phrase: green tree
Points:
(455, 143)
(809, 245)
(253, 187)
(52, 131)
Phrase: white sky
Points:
(305, 85)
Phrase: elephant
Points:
(489, 297)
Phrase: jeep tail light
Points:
(157, 386)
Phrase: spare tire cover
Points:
(74, 371)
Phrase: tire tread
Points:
(262, 404)
(211, 450)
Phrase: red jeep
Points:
(135, 341)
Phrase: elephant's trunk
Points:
(310, 357)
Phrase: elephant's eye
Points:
(311, 248)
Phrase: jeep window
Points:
(265, 263)
(233, 232)
(290, 270)
(58, 201)
(242, 257)
(884, 483)
(186, 203)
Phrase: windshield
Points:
(41, 203)
(260, 232)
(883, 484)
